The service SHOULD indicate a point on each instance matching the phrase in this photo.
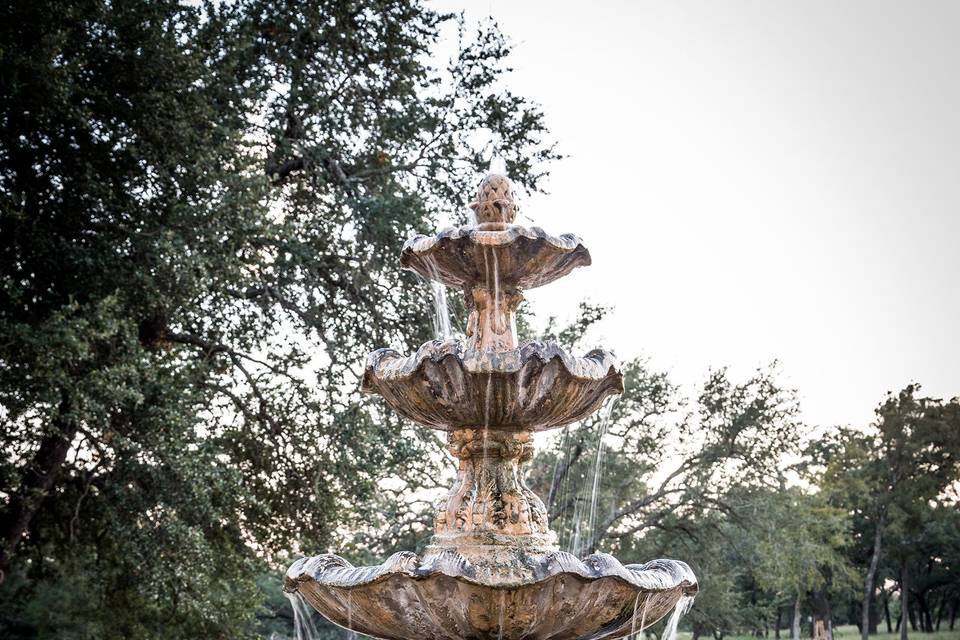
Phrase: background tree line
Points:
(791, 530)
(200, 210)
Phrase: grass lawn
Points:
(846, 632)
(850, 632)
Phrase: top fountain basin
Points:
(508, 257)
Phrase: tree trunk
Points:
(38, 478)
(940, 611)
(874, 610)
(795, 630)
(870, 577)
(923, 613)
(829, 615)
(904, 599)
(819, 629)
(886, 610)
(821, 616)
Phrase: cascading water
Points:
(497, 320)
(442, 328)
(441, 312)
(587, 532)
(681, 608)
(563, 491)
(353, 634)
(643, 616)
(303, 625)
(503, 605)
(598, 468)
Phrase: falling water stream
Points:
(564, 489)
(580, 532)
(441, 312)
(486, 276)
(670, 630)
(442, 327)
(482, 468)
(353, 634)
(497, 322)
(598, 466)
(503, 604)
(488, 397)
(303, 626)
(643, 615)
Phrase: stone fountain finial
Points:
(492, 569)
(495, 206)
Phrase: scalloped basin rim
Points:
(396, 564)
(538, 386)
(420, 244)
(595, 365)
(528, 258)
(688, 588)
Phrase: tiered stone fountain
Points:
(492, 569)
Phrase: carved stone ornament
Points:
(492, 570)
(495, 205)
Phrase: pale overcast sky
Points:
(756, 181)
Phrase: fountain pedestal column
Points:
(491, 324)
(489, 502)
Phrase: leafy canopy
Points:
(200, 209)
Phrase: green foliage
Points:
(796, 542)
(899, 476)
(722, 482)
(200, 205)
(707, 480)
(657, 456)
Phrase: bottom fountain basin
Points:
(492, 592)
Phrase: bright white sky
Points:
(756, 181)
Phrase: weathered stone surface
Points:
(533, 595)
(464, 257)
(491, 323)
(495, 205)
(539, 386)
(490, 498)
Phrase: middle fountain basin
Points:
(538, 386)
